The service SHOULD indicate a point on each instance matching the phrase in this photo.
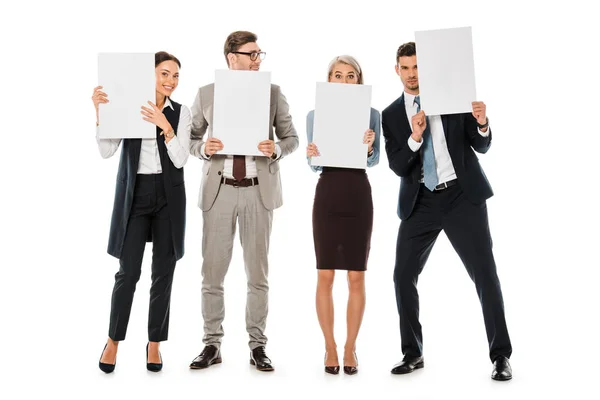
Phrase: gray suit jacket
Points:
(269, 181)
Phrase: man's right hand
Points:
(419, 123)
(211, 146)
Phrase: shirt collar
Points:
(409, 99)
(168, 104)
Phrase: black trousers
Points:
(466, 226)
(149, 214)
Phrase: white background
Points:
(535, 71)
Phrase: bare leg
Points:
(153, 354)
(354, 315)
(109, 355)
(324, 300)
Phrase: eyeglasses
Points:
(253, 55)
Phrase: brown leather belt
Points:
(243, 183)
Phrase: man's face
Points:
(407, 70)
(244, 62)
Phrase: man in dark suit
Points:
(442, 187)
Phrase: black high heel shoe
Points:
(334, 370)
(106, 368)
(153, 367)
(352, 370)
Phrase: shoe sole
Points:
(502, 379)
(215, 361)
(261, 369)
(417, 366)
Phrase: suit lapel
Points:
(208, 101)
(273, 102)
(403, 116)
(136, 149)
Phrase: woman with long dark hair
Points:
(149, 205)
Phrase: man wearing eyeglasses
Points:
(245, 188)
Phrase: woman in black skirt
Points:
(149, 205)
(342, 224)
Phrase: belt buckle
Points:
(442, 186)
(235, 183)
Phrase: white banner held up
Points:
(446, 70)
(342, 115)
(129, 81)
(241, 113)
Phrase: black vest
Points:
(174, 188)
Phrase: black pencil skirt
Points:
(342, 219)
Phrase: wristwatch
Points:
(487, 122)
(170, 134)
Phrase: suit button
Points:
(219, 172)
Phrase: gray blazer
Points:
(269, 182)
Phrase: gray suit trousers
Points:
(245, 206)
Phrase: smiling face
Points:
(167, 78)
(343, 73)
(243, 62)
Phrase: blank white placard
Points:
(242, 105)
(342, 115)
(129, 81)
(446, 70)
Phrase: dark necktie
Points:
(239, 167)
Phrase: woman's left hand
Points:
(369, 138)
(156, 116)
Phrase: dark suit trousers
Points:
(149, 215)
(466, 225)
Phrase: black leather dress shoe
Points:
(153, 367)
(351, 370)
(407, 365)
(106, 368)
(502, 370)
(209, 356)
(331, 369)
(259, 358)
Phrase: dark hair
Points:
(163, 56)
(236, 40)
(406, 50)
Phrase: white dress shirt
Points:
(250, 163)
(443, 162)
(178, 147)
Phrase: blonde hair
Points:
(348, 60)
